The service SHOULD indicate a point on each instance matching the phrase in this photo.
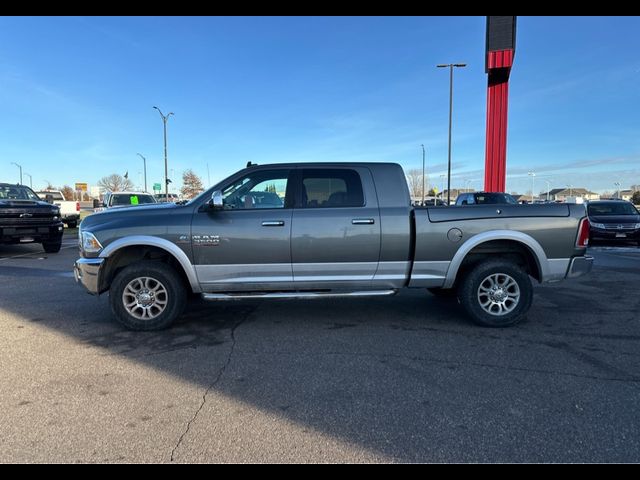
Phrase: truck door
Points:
(247, 245)
(335, 236)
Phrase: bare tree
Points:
(115, 183)
(191, 184)
(68, 193)
(415, 182)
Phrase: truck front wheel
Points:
(147, 296)
(496, 293)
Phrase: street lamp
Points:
(423, 156)
(548, 182)
(450, 66)
(144, 160)
(442, 191)
(166, 178)
(467, 184)
(20, 167)
(30, 180)
(617, 184)
(533, 183)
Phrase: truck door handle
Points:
(362, 221)
(273, 223)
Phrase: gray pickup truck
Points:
(326, 230)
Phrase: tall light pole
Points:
(166, 170)
(20, 167)
(548, 182)
(30, 180)
(617, 184)
(570, 191)
(423, 156)
(442, 191)
(533, 183)
(144, 160)
(450, 66)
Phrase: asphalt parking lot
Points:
(400, 379)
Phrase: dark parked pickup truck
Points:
(24, 218)
(320, 230)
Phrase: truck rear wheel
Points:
(147, 296)
(496, 293)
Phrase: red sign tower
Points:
(500, 51)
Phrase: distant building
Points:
(561, 194)
(95, 191)
(623, 194)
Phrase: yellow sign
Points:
(81, 186)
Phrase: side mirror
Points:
(216, 202)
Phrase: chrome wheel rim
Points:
(498, 294)
(145, 298)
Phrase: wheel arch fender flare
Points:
(520, 237)
(148, 240)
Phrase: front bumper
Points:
(580, 266)
(87, 272)
(615, 235)
(31, 233)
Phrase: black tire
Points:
(494, 306)
(72, 224)
(163, 307)
(443, 292)
(52, 247)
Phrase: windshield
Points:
(119, 199)
(613, 208)
(17, 192)
(492, 198)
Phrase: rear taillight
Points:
(77, 206)
(583, 233)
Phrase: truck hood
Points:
(31, 204)
(116, 209)
(115, 214)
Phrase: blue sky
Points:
(76, 96)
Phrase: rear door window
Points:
(331, 188)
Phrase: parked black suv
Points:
(24, 218)
(613, 220)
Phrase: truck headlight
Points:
(598, 225)
(89, 243)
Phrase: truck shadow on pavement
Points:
(405, 378)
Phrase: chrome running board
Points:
(276, 295)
